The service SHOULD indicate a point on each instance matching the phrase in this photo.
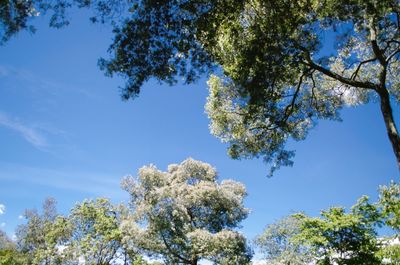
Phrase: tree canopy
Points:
(41, 235)
(341, 238)
(8, 251)
(278, 247)
(96, 236)
(90, 234)
(278, 66)
(276, 73)
(337, 236)
(183, 215)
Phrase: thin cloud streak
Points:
(2, 209)
(39, 84)
(28, 133)
(89, 183)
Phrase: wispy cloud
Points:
(35, 83)
(4, 71)
(41, 135)
(27, 132)
(2, 208)
(90, 183)
(39, 96)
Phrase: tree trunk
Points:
(390, 124)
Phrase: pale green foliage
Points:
(5, 241)
(140, 261)
(96, 234)
(389, 201)
(278, 247)
(276, 83)
(43, 234)
(351, 238)
(337, 236)
(9, 254)
(90, 235)
(390, 253)
(340, 238)
(248, 131)
(12, 257)
(184, 215)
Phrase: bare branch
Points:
(354, 75)
(289, 108)
(392, 55)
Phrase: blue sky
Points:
(65, 133)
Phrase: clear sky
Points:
(66, 133)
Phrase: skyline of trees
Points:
(185, 216)
(272, 77)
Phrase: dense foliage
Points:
(9, 253)
(181, 216)
(184, 215)
(281, 73)
(337, 236)
(276, 73)
(275, 70)
(278, 247)
(17, 15)
(89, 235)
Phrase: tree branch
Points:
(375, 48)
(173, 252)
(392, 55)
(289, 108)
(354, 75)
(348, 81)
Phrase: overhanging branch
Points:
(348, 81)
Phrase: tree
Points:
(96, 236)
(276, 74)
(5, 241)
(389, 208)
(8, 251)
(16, 15)
(389, 202)
(338, 237)
(90, 234)
(278, 247)
(42, 235)
(390, 254)
(343, 238)
(184, 215)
